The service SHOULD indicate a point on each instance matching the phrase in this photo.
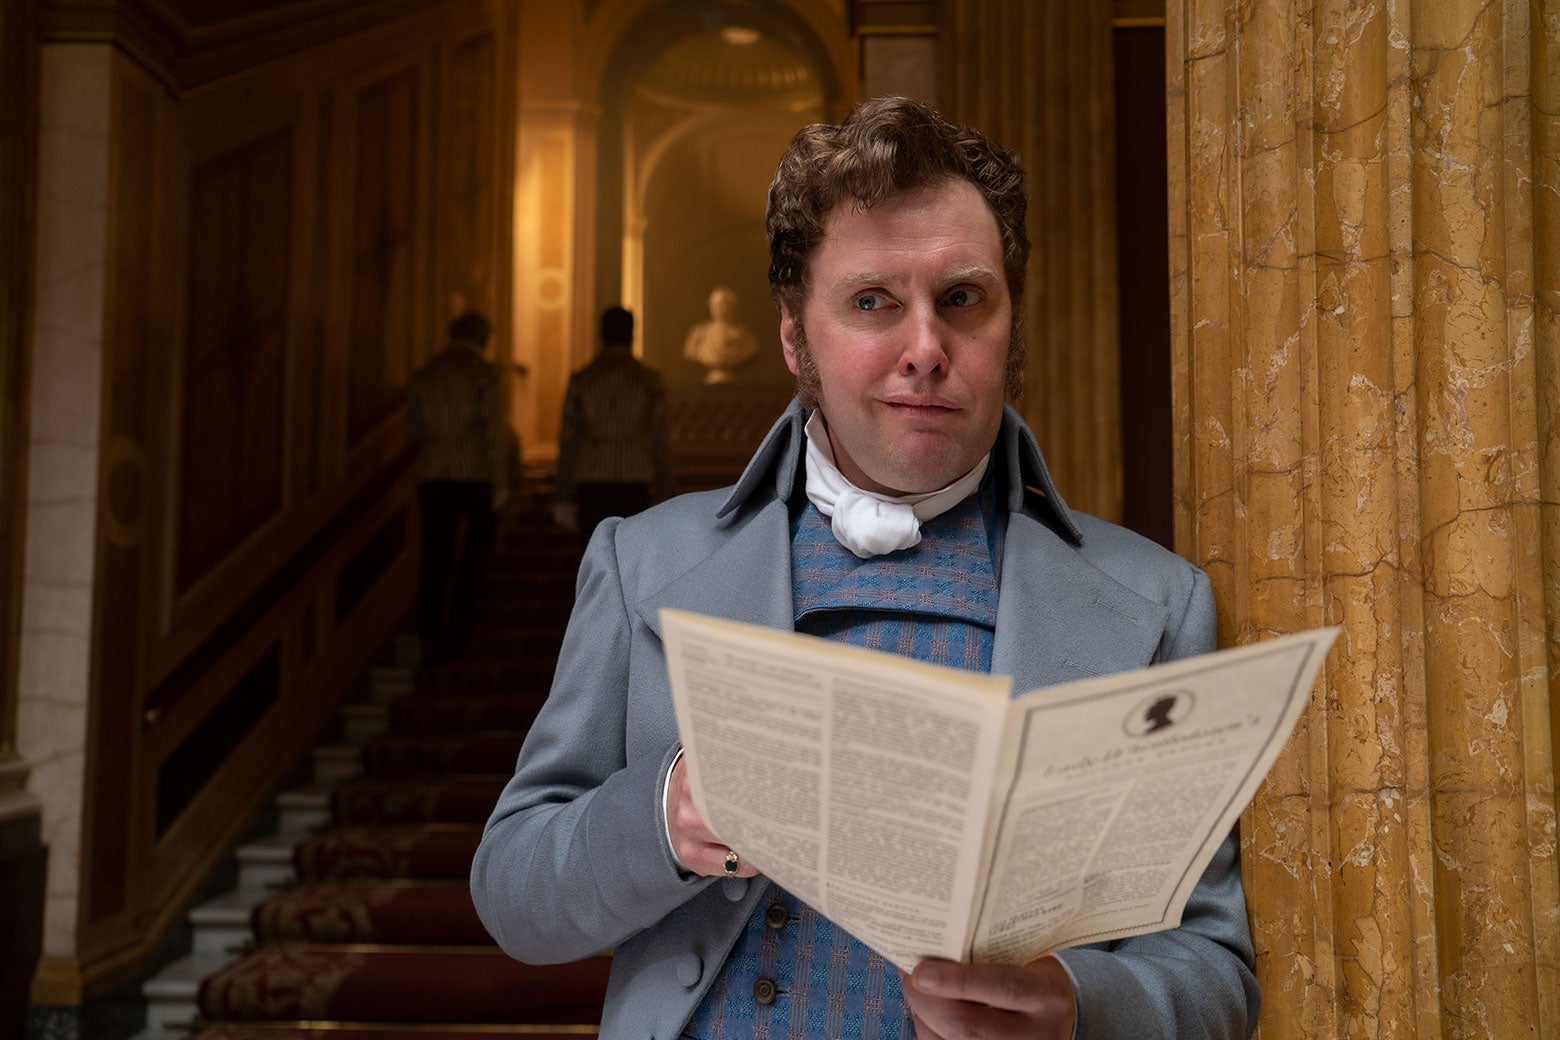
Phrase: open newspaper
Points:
(928, 813)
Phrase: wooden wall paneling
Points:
(233, 387)
(334, 194)
(18, 228)
(387, 186)
(22, 855)
(464, 243)
(242, 245)
(133, 335)
(307, 695)
(236, 222)
(307, 361)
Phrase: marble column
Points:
(66, 400)
(1363, 308)
(1036, 77)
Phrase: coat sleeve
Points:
(574, 857)
(1194, 981)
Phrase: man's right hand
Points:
(692, 842)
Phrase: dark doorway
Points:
(1143, 246)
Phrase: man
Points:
(455, 420)
(912, 512)
(614, 458)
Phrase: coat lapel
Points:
(1061, 618)
(747, 578)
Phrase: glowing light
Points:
(739, 35)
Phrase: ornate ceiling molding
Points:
(731, 67)
(189, 43)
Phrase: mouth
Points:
(921, 403)
(928, 405)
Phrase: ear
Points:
(788, 329)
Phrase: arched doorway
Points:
(698, 102)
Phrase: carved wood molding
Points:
(189, 43)
(18, 223)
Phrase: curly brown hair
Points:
(885, 146)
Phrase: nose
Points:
(925, 345)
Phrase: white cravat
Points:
(866, 523)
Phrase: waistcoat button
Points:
(777, 916)
(764, 991)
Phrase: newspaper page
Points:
(856, 780)
(926, 814)
(1121, 789)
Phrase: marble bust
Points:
(722, 343)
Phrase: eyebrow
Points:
(971, 273)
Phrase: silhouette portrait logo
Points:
(1158, 712)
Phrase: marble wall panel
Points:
(73, 194)
(1365, 399)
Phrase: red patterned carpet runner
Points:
(430, 852)
(378, 940)
(354, 1031)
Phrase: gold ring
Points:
(732, 863)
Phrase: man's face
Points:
(908, 320)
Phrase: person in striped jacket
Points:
(455, 420)
(614, 454)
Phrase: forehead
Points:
(945, 223)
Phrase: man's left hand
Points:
(951, 1001)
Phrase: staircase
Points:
(354, 918)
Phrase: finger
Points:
(1012, 987)
(709, 859)
(695, 844)
(682, 817)
(922, 1030)
(939, 1017)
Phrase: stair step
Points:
(436, 755)
(171, 1004)
(334, 763)
(361, 720)
(406, 651)
(360, 1031)
(458, 799)
(266, 863)
(511, 657)
(395, 912)
(388, 682)
(302, 809)
(426, 851)
(470, 984)
(222, 924)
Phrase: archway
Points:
(698, 101)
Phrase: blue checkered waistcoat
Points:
(936, 602)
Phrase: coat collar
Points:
(1059, 616)
(778, 462)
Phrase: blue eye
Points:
(868, 302)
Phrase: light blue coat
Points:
(574, 861)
